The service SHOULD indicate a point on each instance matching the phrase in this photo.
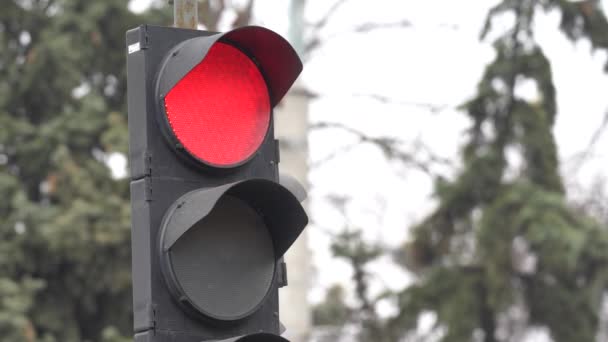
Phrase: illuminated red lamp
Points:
(220, 111)
(217, 92)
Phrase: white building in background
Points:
(291, 128)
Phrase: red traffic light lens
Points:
(220, 111)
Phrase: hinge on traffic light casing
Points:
(153, 318)
(141, 165)
(277, 151)
(143, 37)
(148, 189)
(147, 175)
(277, 158)
(147, 164)
(282, 274)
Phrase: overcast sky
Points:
(438, 60)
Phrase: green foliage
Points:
(64, 236)
(503, 236)
(334, 310)
(351, 246)
(15, 301)
(582, 20)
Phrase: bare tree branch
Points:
(367, 27)
(209, 13)
(433, 108)
(340, 151)
(389, 146)
(316, 40)
(244, 15)
(583, 156)
(316, 28)
(319, 25)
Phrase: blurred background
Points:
(454, 152)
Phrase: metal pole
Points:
(185, 13)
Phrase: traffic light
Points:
(211, 217)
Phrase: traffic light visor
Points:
(220, 246)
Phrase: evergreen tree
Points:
(65, 228)
(334, 311)
(503, 250)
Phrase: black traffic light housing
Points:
(207, 239)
